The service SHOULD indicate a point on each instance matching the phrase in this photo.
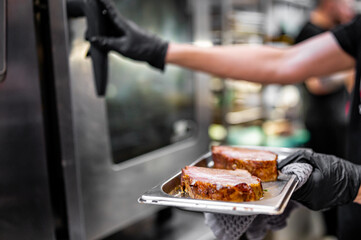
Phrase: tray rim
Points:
(272, 206)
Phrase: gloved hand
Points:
(333, 182)
(131, 41)
(232, 227)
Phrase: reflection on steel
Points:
(148, 109)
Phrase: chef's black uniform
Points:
(349, 38)
(324, 115)
(325, 119)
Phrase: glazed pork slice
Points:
(262, 164)
(221, 184)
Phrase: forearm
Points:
(264, 64)
(237, 62)
(329, 84)
(358, 197)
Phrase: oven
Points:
(80, 139)
(146, 126)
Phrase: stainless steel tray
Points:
(276, 194)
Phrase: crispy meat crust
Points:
(200, 188)
(262, 164)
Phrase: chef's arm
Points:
(331, 83)
(317, 56)
(358, 197)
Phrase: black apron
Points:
(349, 216)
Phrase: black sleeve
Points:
(349, 36)
(308, 30)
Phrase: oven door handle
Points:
(97, 25)
(3, 24)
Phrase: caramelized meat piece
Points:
(220, 184)
(262, 164)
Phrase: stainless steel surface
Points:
(59, 34)
(3, 18)
(274, 201)
(172, 224)
(102, 196)
(148, 110)
(25, 208)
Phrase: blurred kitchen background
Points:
(247, 113)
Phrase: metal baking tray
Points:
(276, 193)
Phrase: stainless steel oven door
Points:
(148, 126)
(25, 204)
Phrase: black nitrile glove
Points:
(130, 40)
(333, 182)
